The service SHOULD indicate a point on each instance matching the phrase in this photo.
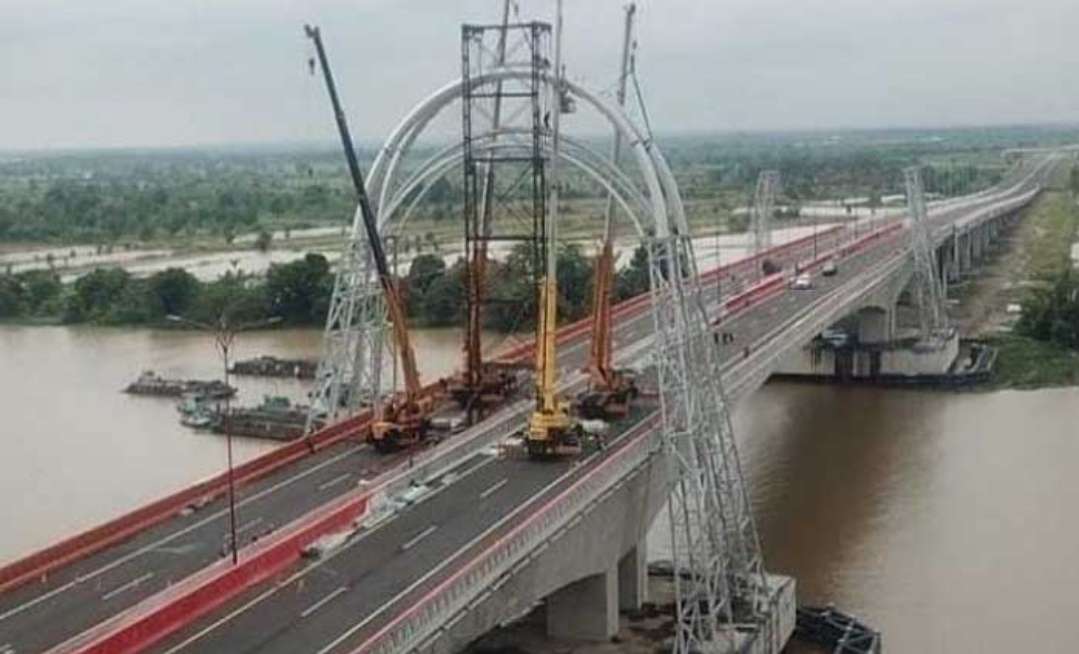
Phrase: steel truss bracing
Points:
(349, 374)
(504, 113)
(763, 207)
(720, 582)
(927, 287)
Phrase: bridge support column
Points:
(953, 259)
(966, 253)
(633, 578)
(587, 609)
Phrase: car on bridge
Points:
(802, 282)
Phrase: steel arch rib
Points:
(401, 139)
(629, 198)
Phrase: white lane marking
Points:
(167, 539)
(6, 648)
(493, 488)
(129, 585)
(269, 592)
(333, 482)
(241, 529)
(445, 562)
(409, 544)
(317, 605)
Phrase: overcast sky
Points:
(80, 73)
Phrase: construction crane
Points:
(403, 419)
(609, 390)
(551, 429)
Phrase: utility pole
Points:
(224, 336)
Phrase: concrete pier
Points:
(633, 579)
(586, 609)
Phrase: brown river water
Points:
(948, 521)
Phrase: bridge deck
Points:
(43, 614)
(332, 605)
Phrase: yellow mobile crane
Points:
(551, 429)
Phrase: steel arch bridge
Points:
(713, 531)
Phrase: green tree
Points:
(445, 298)
(634, 279)
(172, 291)
(42, 290)
(424, 271)
(574, 283)
(295, 289)
(93, 294)
(11, 297)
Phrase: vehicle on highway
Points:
(829, 268)
(802, 282)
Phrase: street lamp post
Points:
(224, 336)
(815, 218)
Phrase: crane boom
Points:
(610, 390)
(385, 278)
(599, 367)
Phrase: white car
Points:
(802, 282)
(830, 268)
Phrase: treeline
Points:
(299, 293)
(435, 292)
(106, 212)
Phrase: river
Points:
(945, 520)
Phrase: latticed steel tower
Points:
(503, 129)
(719, 577)
(763, 207)
(927, 286)
(724, 602)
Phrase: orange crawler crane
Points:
(609, 391)
(482, 384)
(403, 419)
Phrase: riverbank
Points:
(1026, 364)
(1037, 249)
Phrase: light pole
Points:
(815, 218)
(224, 335)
